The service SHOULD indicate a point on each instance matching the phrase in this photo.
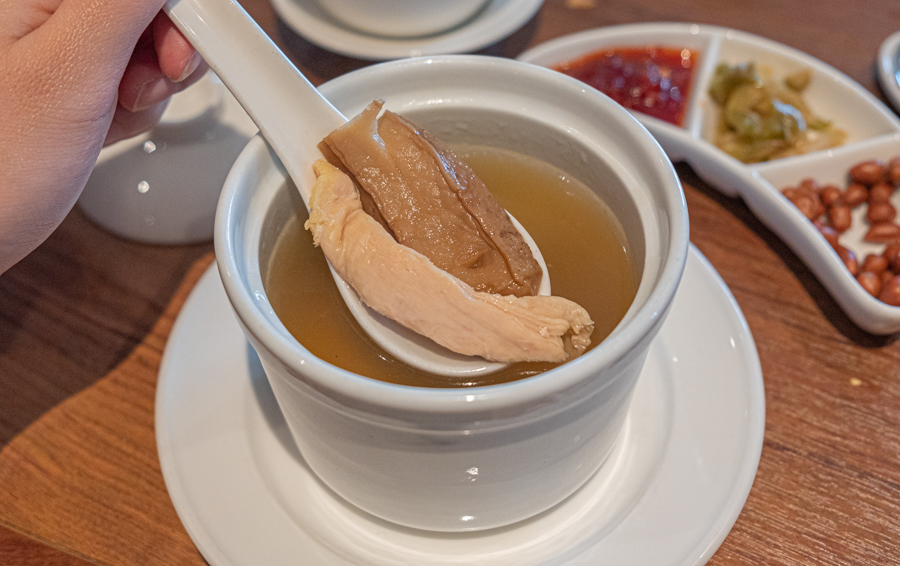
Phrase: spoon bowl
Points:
(294, 117)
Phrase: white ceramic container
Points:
(402, 18)
(491, 24)
(161, 187)
(468, 458)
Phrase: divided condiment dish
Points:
(873, 132)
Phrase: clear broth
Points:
(583, 245)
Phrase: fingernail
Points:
(150, 94)
(192, 63)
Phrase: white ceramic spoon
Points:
(294, 117)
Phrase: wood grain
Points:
(72, 310)
(23, 551)
(84, 319)
(827, 489)
(86, 477)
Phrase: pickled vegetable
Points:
(762, 119)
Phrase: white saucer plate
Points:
(888, 69)
(668, 495)
(873, 133)
(496, 21)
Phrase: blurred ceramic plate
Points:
(873, 133)
(888, 66)
(496, 21)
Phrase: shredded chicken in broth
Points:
(423, 209)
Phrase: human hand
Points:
(163, 63)
(75, 74)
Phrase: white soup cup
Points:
(466, 458)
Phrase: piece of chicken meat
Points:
(406, 286)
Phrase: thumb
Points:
(58, 91)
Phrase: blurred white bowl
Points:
(402, 18)
(162, 187)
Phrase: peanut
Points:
(893, 171)
(890, 292)
(867, 172)
(855, 195)
(849, 259)
(808, 206)
(881, 211)
(882, 233)
(870, 282)
(828, 232)
(839, 217)
(830, 195)
(808, 185)
(892, 255)
(880, 191)
(876, 264)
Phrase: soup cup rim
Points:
(528, 391)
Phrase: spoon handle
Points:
(288, 110)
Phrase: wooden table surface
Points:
(84, 320)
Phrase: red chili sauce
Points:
(652, 80)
